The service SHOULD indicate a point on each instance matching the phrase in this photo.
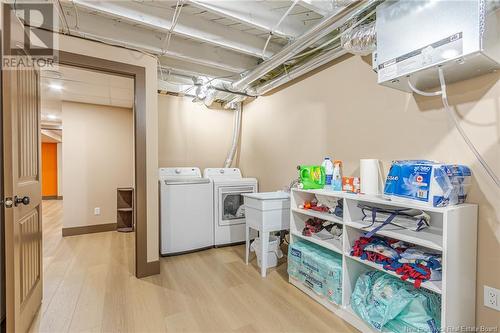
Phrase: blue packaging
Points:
(428, 182)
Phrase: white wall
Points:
(99, 50)
(192, 135)
(343, 113)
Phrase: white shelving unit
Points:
(453, 232)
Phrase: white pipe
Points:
(300, 70)
(236, 136)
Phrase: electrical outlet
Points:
(491, 298)
(97, 211)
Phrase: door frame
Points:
(143, 268)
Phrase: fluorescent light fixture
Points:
(55, 86)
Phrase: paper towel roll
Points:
(371, 176)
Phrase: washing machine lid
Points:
(183, 175)
(222, 173)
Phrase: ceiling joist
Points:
(98, 27)
(253, 14)
(189, 26)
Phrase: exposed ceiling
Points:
(202, 40)
(84, 86)
(212, 38)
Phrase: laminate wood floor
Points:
(89, 286)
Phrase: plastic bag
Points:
(386, 302)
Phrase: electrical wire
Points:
(456, 122)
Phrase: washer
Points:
(186, 211)
(229, 211)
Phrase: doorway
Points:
(87, 146)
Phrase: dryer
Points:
(228, 204)
(186, 211)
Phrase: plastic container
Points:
(312, 177)
(273, 254)
(337, 176)
(328, 165)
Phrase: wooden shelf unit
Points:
(125, 215)
(453, 232)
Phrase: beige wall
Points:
(99, 50)
(192, 135)
(98, 157)
(342, 112)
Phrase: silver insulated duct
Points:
(322, 29)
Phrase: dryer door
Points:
(231, 208)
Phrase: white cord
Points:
(454, 118)
(423, 93)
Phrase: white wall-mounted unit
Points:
(453, 233)
(414, 37)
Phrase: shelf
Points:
(320, 215)
(318, 298)
(430, 238)
(345, 313)
(125, 229)
(435, 286)
(129, 209)
(330, 244)
(381, 199)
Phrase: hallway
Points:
(89, 286)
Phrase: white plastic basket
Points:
(273, 254)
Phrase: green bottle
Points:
(312, 176)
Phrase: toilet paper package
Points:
(429, 182)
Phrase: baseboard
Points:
(148, 269)
(88, 229)
(52, 197)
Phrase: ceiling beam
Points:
(322, 7)
(98, 27)
(191, 69)
(188, 25)
(253, 14)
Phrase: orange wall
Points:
(49, 169)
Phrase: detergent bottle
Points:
(328, 165)
(337, 176)
(311, 176)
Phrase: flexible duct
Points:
(236, 136)
(360, 40)
(326, 26)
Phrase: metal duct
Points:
(236, 136)
(300, 70)
(326, 26)
(361, 40)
